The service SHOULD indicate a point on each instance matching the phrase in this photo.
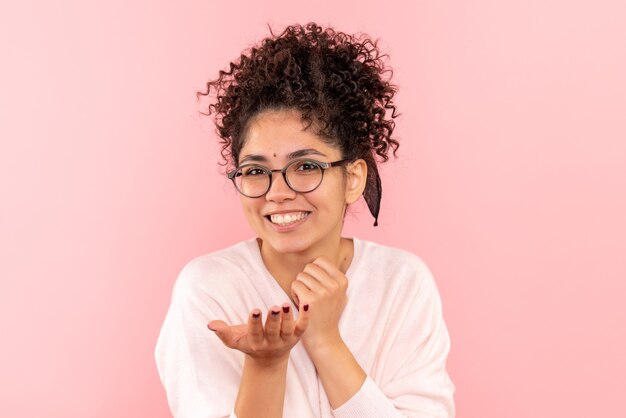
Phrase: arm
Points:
(340, 373)
(201, 375)
(323, 286)
(262, 387)
(414, 382)
(262, 390)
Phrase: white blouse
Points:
(392, 323)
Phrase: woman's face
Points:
(316, 218)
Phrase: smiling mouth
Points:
(287, 218)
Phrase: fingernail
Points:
(286, 309)
(275, 313)
(209, 327)
(306, 307)
(256, 315)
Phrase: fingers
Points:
(222, 330)
(325, 264)
(279, 332)
(303, 321)
(294, 296)
(313, 280)
(313, 283)
(287, 325)
(217, 326)
(272, 324)
(317, 271)
(230, 335)
(327, 269)
(325, 274)
(320, 280)
(255, 327)
(301, 293)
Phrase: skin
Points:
(308, 261)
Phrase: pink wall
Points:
(510, 185)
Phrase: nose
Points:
(279, 189)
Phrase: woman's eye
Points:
(307, 166)
(253, 171)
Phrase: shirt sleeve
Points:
(200, 375)
(419, 385)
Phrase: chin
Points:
(288, 245)
(303, 239)
(295, 242)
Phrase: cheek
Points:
(251, 209)
(332, 198)
(341, 190)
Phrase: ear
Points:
(356, 176)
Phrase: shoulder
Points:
(215, 272)
(226, 257)
(390, 259)
(393, 268)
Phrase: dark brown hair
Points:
(338, 82)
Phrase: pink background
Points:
(509, 184)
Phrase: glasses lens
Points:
(304, 176)
(252, 181)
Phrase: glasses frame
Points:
(323, 165)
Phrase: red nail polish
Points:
(306, 307)
(275, 313)
(256, 315)
(286, 309)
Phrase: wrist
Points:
(323, 345)
(266, 364)
(261, 388)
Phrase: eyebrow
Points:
(296, 154)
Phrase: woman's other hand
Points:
(267, 344)
(322, 286)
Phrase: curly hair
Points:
(335, 80)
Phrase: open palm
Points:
(270, 341)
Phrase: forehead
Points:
(281, 132)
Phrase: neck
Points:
(284, 267)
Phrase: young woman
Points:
(300, 321)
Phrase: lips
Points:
(287, 218)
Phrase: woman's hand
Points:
(267, 345)
(322, 286)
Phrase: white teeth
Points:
(288, 218)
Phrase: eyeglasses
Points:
(302, 176)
